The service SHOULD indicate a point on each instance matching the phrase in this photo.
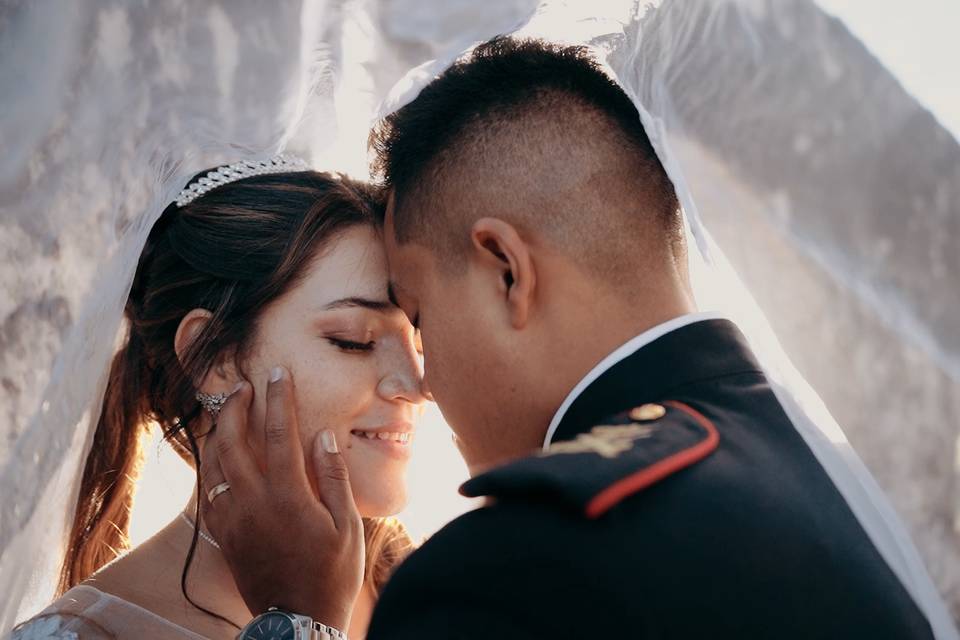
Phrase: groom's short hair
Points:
(534, 132)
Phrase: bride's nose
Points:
(403, 384)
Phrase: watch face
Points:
(272, 625)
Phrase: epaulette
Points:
(620, 457)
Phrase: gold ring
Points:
(223, 487)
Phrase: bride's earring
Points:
(211, 403)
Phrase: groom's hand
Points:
(287, 545)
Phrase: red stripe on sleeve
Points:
(625, 487)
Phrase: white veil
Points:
(108, 108)
(757, 109)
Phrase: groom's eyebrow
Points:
(354, 301)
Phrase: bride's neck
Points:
(149, 576)
(209, 583)
(212, 567)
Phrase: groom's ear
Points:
(501, 249)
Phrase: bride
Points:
(255, 270)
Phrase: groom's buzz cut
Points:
(535, 133)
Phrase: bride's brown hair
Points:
(232, 251)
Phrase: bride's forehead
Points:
(351, 265)
(357, 250)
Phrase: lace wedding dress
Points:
(85, 613)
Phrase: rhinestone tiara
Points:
(226, 174)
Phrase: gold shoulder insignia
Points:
(631, 450)
(607, 440)
(647, 412)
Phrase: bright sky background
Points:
(915, 40)
(918, 41)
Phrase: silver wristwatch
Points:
(282, 625)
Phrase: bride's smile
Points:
(589, 209)
(283, 272)
(355, 362)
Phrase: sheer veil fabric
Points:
(103, 125)
(127, 102)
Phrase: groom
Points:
(643, 480)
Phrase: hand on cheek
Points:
(260, 507)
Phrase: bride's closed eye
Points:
(350, 345)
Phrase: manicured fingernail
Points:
(275, 374)
(236, 387)
(329, 441)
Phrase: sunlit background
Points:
(832, 193)
(908, 43)
(911, 44)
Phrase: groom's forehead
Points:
(400, 255)
(389, 233)
(400, 290)
(392, 293)
(388, 212)
(390, 239)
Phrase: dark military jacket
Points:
(676, 501)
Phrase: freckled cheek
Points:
(330, 397)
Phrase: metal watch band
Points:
(325, 632)
(305, 628)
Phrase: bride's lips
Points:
(393, 439)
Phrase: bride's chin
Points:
(381, 506)
(380, 496)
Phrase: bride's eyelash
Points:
(350, 345)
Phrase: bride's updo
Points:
(232, 251)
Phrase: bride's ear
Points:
(222, 376)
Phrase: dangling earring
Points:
(211, 403)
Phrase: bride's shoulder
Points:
(87, 613)
(67, 618)
(53, 626)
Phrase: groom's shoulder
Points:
(621, 456)
(488, 570)
(574, 500)
(470, 557)
(622, 523)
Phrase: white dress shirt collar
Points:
(628, 348)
